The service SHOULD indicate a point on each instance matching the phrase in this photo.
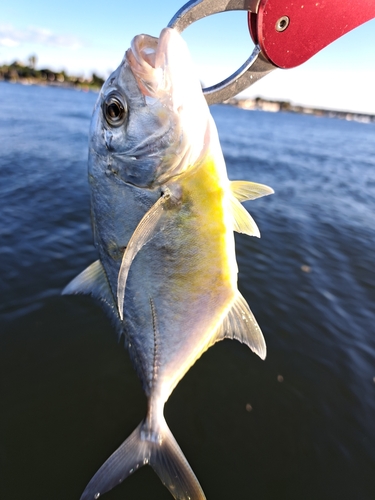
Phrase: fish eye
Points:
(114, 109)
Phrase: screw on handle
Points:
(291, 32)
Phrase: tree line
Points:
(27, 73)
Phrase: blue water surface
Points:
(300, 425)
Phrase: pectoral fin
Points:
(244, 190)
(241, 325)
(143, 233)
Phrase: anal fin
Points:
(242, 220)
(242, 191)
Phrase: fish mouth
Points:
(141, 58)
(148, 59)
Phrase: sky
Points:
(83, 37)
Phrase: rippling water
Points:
(300, 425)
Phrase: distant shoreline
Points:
(28, 75)
(63, 85)
(273, 106)
(17, 72)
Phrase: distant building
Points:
(271, 106)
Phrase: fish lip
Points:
(143, 51)
(142, 63)
(147, 58)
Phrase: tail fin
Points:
(141, 448)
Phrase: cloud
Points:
(8, 42)
(12, 37)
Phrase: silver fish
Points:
(163, 213)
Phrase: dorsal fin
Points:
(241, 325)
(245, 190)
(93, 281)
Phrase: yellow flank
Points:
(204, 277)
(206, 224)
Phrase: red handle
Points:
(290, 32)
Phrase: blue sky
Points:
(82, 37)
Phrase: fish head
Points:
(151, 120)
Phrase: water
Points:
(300, 425)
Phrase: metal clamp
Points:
(251, 71)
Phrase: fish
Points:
(163, 214)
